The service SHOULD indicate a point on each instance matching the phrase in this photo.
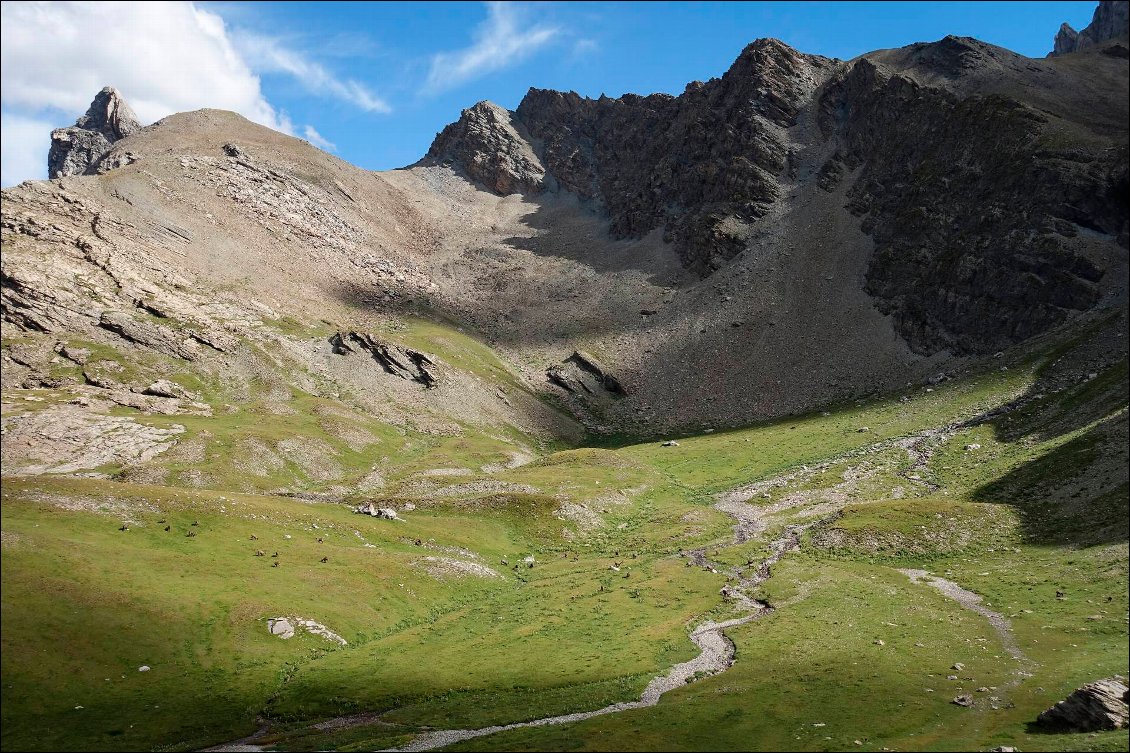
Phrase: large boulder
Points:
(78, 149)
(1095, 706)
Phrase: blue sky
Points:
(373, 83)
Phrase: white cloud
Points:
(164, 57)
(318, 139)
(584, 47)
(500, 42)
(268, 55)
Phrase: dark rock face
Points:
(1095, 706)
(1111, 21)
(969, 205)
(405, 363)
(985, 179)
(78, 149)
(702, 166)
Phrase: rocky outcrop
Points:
(397, 360)
(77, 150)
(1096, 706)
(67, 439)
(160, 338)
(370, 508)
(169, 389)
(583, 374)
(1111, 21)
(589, 363)
(492, 148)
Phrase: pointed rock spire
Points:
(1111, 21)
(76, 150)
(489, 145)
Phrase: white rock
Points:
(281, 627)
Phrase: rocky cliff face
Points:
(968, 165)
(946, 182)
(1111, 21)
(77, 150)
(700, 167)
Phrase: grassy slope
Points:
(85, 604)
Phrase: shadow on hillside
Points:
(565, 228)
(560, 276)
(1079, 492)
(1076, 494)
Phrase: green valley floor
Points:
(513, 587)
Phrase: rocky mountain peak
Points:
(768, 54)
(110, 115)
(776, 77)
(953, 55)
(491, 147)
(682, 164)
(77, 150)
(1111, 21)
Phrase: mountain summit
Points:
(78, 149)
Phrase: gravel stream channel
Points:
(716, 651)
